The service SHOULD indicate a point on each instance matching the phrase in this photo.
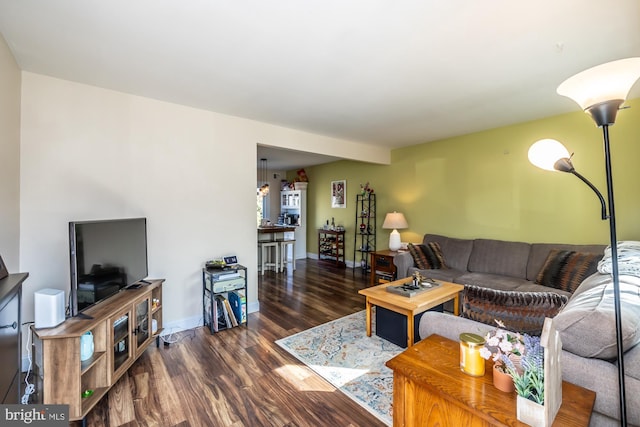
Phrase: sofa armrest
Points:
(449, 326)
(403, 261)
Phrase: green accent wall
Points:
(482, 185)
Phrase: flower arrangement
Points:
(301, 176)
(501, 346)
(529, 381)
(365, 189)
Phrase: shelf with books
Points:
(224, 298)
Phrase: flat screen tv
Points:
(106, 256)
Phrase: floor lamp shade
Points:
(546, 152)
(601, 90)
(394, 221)
(603, 83)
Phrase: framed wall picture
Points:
(339, 194)
(3, 269)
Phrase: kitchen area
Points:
(282, 232)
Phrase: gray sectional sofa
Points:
(585, 323)
(495, 264)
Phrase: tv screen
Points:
(106, 257)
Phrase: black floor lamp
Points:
(600, 91)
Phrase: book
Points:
(229, 311)
(207, 308)
(223, 321)
(214, 316)
(224, 315)
(239, 305)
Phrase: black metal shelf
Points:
(365, 231)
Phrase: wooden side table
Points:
(430, 389)
(382, 267)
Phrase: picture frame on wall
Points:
(339, 194)
(3, 269)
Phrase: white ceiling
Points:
(391, 73)
(284, 160)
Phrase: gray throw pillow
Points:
(587, 323)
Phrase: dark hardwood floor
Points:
(240, 377)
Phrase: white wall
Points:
(92, 153)
(9, 158)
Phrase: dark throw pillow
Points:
(427, 257)
(519, 311)
(565, 270)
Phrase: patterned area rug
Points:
(341, 353)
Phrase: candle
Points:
(471, 362)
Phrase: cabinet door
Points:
(142, 325)
(10, 350)
(122, 348)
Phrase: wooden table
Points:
(430, 389)
(382, 262)
(410, 306)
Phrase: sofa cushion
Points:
(428, 256)
(499, 257)
(587, 323)
(567, 269)
(540, 251)
(456, 251)
(519, 311)
(493, 281)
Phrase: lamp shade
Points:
(395, 220)
(546, 152)
(602, 83)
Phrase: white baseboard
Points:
(349, 264)
(197, 321)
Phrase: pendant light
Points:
(264, 188)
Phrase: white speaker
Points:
(49, 308)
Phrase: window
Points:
(262, 207)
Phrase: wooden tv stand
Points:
(122, 330)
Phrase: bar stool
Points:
(265, 254)
(284, 253)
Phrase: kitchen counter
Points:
(276, 229)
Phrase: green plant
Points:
(529, 382)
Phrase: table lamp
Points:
(394, 221)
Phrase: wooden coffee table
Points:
(410, 306)
(430, 389)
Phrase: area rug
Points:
(341, 353)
